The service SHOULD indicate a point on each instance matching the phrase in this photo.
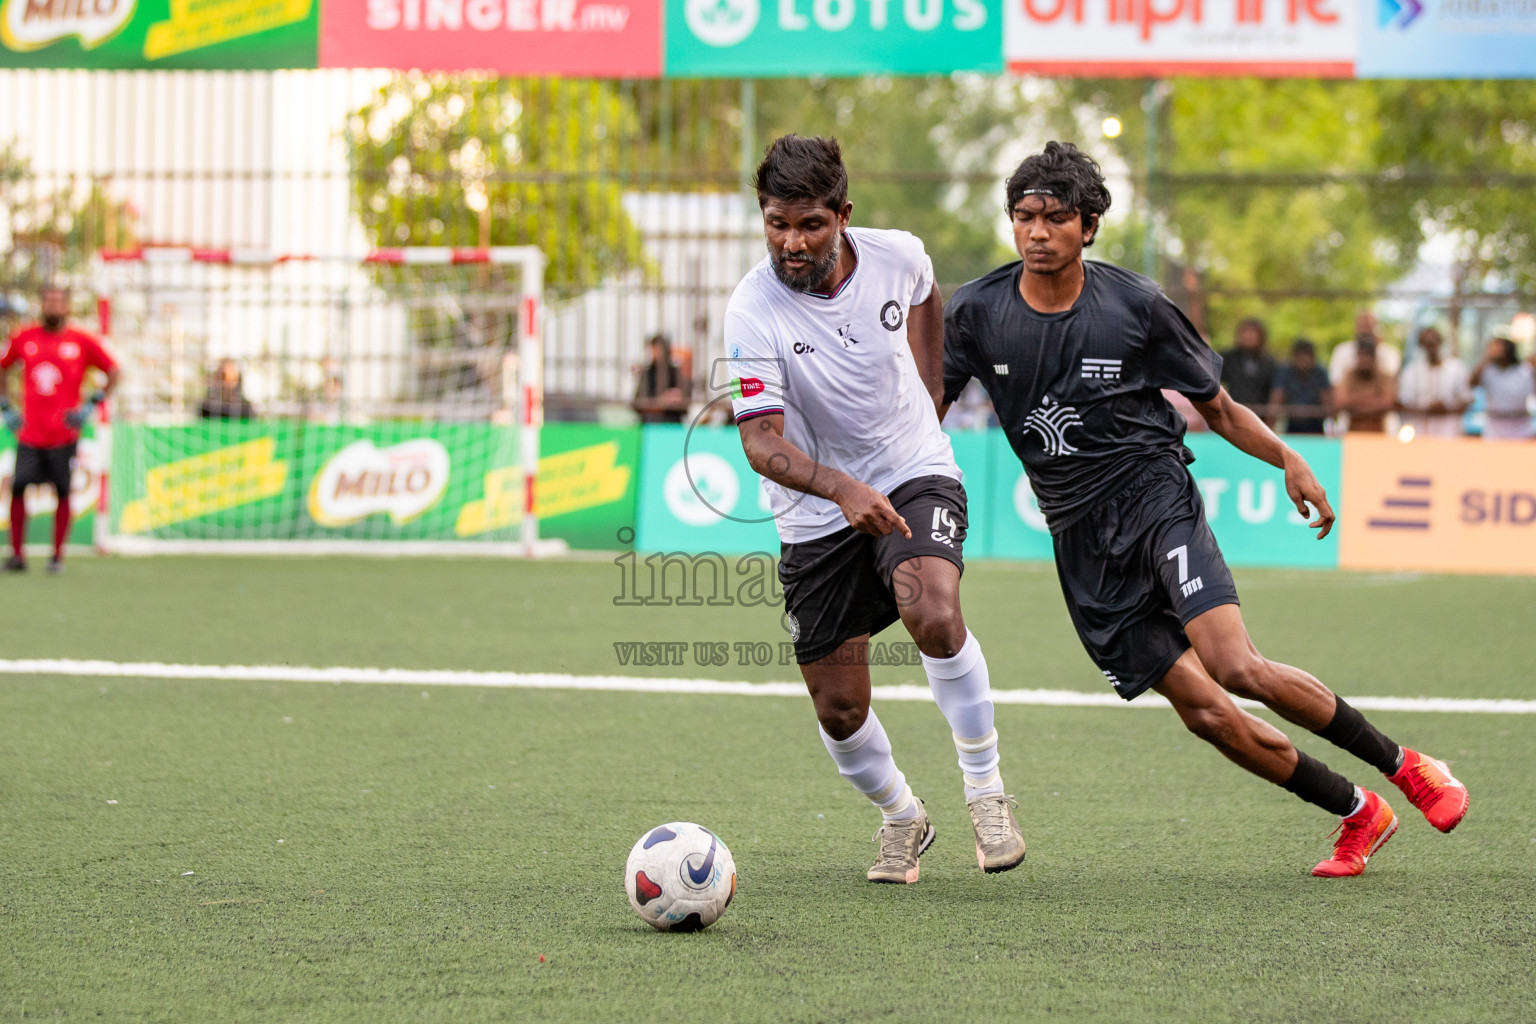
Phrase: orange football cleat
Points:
(1429, 785)
(1360, 836)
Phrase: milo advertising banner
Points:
(383, 482)
(158, 33)
(770, 38)
(84, 491)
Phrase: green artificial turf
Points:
(399, 853)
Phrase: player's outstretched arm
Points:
(1245, 431)
(773, 456)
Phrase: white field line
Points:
(641, 684)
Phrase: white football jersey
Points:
(839, 369)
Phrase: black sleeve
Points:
(1177, 357)
(957, 351)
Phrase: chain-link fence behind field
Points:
(634, 190)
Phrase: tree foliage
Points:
(1259, 208)
(55, 230)
(1478, 138)
(461, 160)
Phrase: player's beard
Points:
(52, 322)
(821, 270)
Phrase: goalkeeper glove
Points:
(77, 417)
(10, 415)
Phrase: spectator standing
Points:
(661, 396)
(1432, 391)
(1247, 370)
(225, 399)
(1368, 392)
(1303, 389)
(1507, 385)
(1343, 360)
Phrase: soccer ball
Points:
(680, 877)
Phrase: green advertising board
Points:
(709, 501)
(698, 494)
(159, 33)
(399, 481)
(1245, 503)
(772, 38)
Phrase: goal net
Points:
(388, 403)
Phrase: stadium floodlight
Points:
(384, 403)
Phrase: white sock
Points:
(963, 691)
(865, 760)
(1359, 802)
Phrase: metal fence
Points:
(634, 190)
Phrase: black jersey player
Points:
(1073, 354)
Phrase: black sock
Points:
(1350, 731)
(1318, 784)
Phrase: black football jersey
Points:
(1078, 392)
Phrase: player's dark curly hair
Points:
(1067, 173)
(796, 167)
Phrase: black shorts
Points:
(1136, 569)
(839, 586)
(44, 466)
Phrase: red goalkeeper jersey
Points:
(53, 367)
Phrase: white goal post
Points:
(383, 403)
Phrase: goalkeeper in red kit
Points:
(53, 358)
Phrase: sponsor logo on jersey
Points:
(746, 387)
(802, 347)
(1101, 369)
(1001, 369)
(891, 316)
(46, 378)
(845, 335)
(1052, 421)
(69, 350)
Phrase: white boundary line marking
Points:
(641, 684)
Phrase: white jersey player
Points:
(836, 347)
